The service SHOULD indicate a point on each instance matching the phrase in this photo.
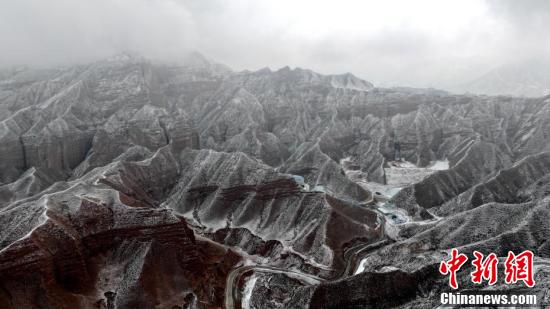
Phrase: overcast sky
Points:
(414, 43)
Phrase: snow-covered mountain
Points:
(528, 78)
(132, 183)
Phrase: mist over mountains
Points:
(198, 154)
(129, 182)
(389, 43)
(529, 78)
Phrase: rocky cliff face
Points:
(129, 183)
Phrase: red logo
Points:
(520, 267)
(452, 266)
(517, 268)
(484, 269)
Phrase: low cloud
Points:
(399, 42)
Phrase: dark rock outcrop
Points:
(129, 183)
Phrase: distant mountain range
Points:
(133, 183)
(529, 78)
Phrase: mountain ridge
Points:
(170, 183)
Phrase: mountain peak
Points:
(530, 78)
(126, 56)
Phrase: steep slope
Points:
(131, 183)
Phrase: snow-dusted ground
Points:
(406, 173)
(439, 165)
(386, 191)
(361, 268)
(247, 293)
(399, 174)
